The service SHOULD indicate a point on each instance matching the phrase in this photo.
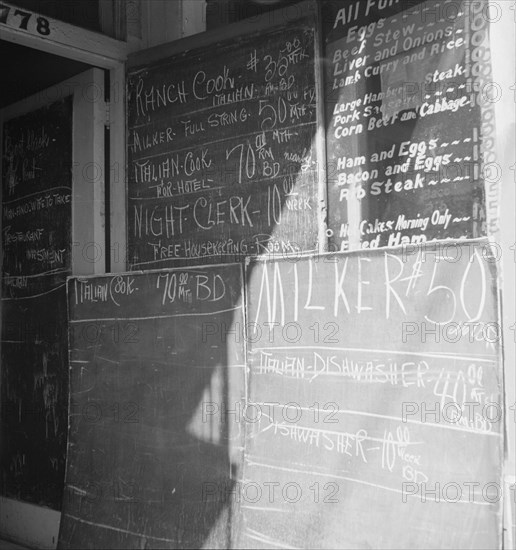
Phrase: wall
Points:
(150, 23)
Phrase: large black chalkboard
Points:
(157, 366)
(36, 259)
(376, 387)
(408, 123)
(222, 152)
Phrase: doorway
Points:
(54, 171)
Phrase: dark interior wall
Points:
(26, 71)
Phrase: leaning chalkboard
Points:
(407, 121)
(222, 151)
(376, 388)
(154, 452)
(36, 243)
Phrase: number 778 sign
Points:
(24, 20)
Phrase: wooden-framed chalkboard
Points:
(156, 375)
(52, 219)
(224, 151)
(36, 245)
(377, 390)
(340, 401)
(409, 124)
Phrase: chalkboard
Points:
(376, 389)
(36, 245)
(156, 367)
(222, 152)
(407, 121)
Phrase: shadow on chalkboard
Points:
(211, 469)
(203, 473)
(187, 470)
(161, 476)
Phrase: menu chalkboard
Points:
(376, 389)
(222, 151)
(155, 447)
(407, 126)
(36, 251)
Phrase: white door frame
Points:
(21, 521)
(100, 51)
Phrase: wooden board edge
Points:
(264, 22)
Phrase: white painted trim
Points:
(118, 187)
(88, 202)
(503, 48)
(503, 60)
(27, 524)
